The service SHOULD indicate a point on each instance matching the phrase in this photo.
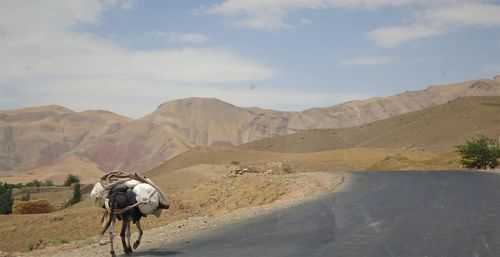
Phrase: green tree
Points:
(34, 183)
(48, 183)
(480, 152)
(6, 198)
(70, 179)
(25, 197)
(77, 194)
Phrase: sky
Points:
(128, 57)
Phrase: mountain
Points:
(36, 137)
(423, 139)
(439, 129)
(176, 126)
(364, 111)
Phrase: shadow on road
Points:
(157, 252)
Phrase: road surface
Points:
(379, 214)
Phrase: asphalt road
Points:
(406, 214)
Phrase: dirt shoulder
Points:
(213, 196)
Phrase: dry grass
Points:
(351, 159)
(195, 191)
(31, 206)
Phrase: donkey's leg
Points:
(105, 226)
(111, 234)
(125, 220)
(139, 229)
(129, 246)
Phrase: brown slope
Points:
(212, 122)
(57, 170)
(364, 111)
(34, 136)
(340, 159)
(179, 125)
(439, 128)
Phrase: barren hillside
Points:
(37, 137)
(179, 125)
(34, 137)
(364, 111)
(438, 128)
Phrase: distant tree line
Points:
(6, 198)
(70, 179)
(36, 183)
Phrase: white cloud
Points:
(396, 35)
(464, 15)
(305, 21)
(44, 55)
(437, 20)
(270, 14)
(175, 37)
(367, 61)
(266, 22)
(126, 4)
(51, 46)
(429, 18)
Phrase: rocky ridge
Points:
(36, 137)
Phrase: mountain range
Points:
(48, 141)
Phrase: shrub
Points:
(6, 199)
(480, 152)
(33, 245)
(77, 194)
(286, 168)
(48, 183)
(60, 241)
(34, 183)
(71, 179)
(25, 197)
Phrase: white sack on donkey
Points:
(127, 197)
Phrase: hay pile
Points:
(31, 207)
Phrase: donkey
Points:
(122, 198)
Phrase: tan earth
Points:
(197, 191)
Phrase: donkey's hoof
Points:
(136, 244)
(128, 251)
(113, 254)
